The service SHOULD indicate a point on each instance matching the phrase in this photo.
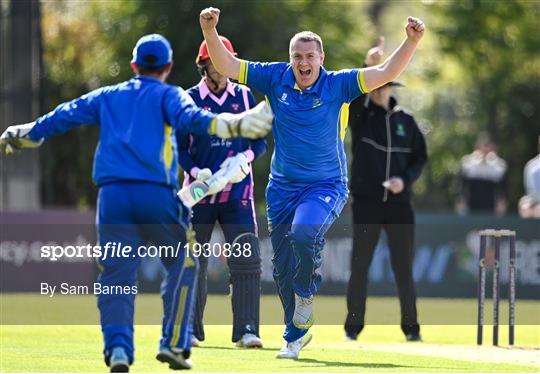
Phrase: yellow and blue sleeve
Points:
(259, 75)
(243, 74)
(361, 81)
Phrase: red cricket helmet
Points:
(203, 49)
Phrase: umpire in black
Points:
(389, 152)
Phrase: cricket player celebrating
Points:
(201, 155)
(136, 172)
(308, 180)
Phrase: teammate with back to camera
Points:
(308, 181)
(136, 172)
(233, 207)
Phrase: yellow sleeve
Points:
(242, 75)
(361, 82)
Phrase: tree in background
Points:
(490, 52)
(89, 44)
(478, 70)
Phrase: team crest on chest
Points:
(400, 130)
(235, 107)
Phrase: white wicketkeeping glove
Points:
(253, 124)
(16, 138)
(237, 167)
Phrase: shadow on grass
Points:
(234, 348)
(350, 364)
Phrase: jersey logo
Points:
(283, 99)
(235, 107)
(316, 102)
(400, 131)
(326, 199)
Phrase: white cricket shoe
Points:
(195, 342)
(292, 350)
(249, 341)
(303, 312)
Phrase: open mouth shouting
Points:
(305, 73)
(305, 77)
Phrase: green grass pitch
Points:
(381, 347)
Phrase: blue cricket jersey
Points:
(209, 151)
(309, 126)
(136, 119)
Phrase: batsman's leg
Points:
(200, 300)
(237, 219)
(204, 218)
(246, 286)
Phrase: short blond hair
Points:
(306, 36)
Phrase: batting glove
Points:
(16, 138)
(201, 174)
(237, 167)
(253, 124)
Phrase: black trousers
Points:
(369, 218)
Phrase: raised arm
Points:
(391, 68)
(224, 61)
(80, 111)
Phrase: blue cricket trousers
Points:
(134, 213)
(299, 216)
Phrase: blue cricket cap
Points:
(152, 50)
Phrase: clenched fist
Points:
(209, 18)
(415, 29)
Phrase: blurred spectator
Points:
(529, 205)
(482, 180)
